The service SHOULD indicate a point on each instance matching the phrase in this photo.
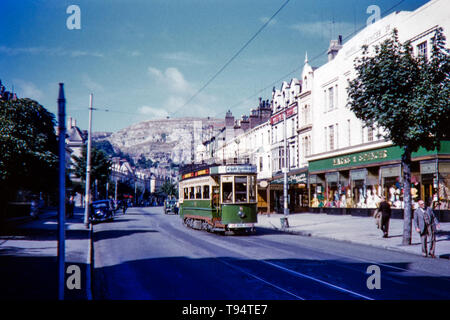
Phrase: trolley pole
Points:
(285, 170)
(88, 166)
(62, 190)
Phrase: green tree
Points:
(169, 188)
(408, 96)
(100, 167)
(28, 148)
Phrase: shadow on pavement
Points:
(112, 234)
(35, 278)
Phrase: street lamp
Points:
(88, 166)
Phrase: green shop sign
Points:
(372, 156)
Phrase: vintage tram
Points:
(219, 198)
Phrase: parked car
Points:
(170, 205)
(101, 210)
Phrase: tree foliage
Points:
(100, 166)
(169, 188)
(407, 96)
(28, 146)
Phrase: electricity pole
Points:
(285, 170)
(88, 166)
(62, 190)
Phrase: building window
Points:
(331, 137)
(422, 49)
(337, 136)
(261, 163)
(336, 96)
(293, 126)
(325, 138)
(330, 98)
(362, 133)
(370, 134)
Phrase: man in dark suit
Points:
(426, 224)
(385, 209)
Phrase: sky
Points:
(148, 59)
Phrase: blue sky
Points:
(143, 59)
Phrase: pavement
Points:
(361, 230)
(28, 257)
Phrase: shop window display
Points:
(318, 200)
(359, 198)
(317, 190)
(442, 199)
(332, 192)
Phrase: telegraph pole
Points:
(88, 166)
(62, 190)
(285, 170)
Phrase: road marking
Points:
(317, 280)
(260, 279)
(287, 270)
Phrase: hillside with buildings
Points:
(164, 139)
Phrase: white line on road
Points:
(260, 279)
(317, 280)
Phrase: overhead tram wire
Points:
(235, 55)
(232, 58)
(309, 60)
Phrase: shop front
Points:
(354, 183)
(298, 198)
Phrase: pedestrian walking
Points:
(385, 210)
(426, 224)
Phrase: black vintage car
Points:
(101, 210)
(170, 205)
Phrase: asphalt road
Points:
(146, 254)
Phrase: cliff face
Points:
(161, 140)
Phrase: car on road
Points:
(170, 205)
(101, 210)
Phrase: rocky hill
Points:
(161, 140)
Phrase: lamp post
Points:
(285, 170)
(88, 166)
(62, 190)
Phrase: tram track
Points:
(307, 282)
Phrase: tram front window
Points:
(240, 187)
(227, 191)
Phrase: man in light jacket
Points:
(426, 223)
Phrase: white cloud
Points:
(153, 112)
(172, 79)
(91, 84)
(183, 57)
(179, 91)
(49, 52)
(26, 89)
(319, 28)
(266, 19)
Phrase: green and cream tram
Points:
(219, 197)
